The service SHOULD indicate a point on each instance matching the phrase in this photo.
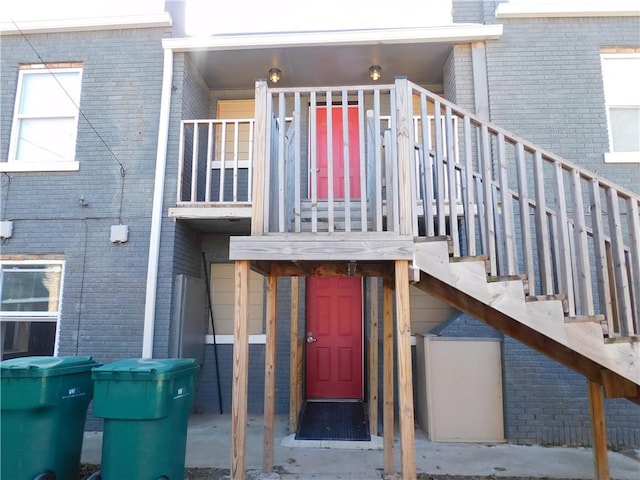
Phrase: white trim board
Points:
(456, 32)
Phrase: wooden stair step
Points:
(545, 298)
(477, 258)
(622, 339)
(506, 278)
(585, 318)
(437, 238)
(601, 319)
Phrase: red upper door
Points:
(334, 337)
(338, 149)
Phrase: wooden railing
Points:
(320, 182)
(531, 212)
(346, 181)
(404, 161)
(215, 161)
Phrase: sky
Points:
(205, 17)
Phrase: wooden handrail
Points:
(584, 226)
(529, 146)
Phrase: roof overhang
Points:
(461, 32)
(325, 58)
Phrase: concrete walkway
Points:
(208, 445)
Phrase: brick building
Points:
(113, 224)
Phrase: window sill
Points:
(39, 166)
(622, 157)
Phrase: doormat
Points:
(334, 421)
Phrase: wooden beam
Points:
(319, 247)
(615, 386)
(295, 363)
(240, 371)
(387, 376)
(405, 375)
(263, 267)
(598, 431)
(270, 374)
(373, 355)
(323, 269)
(259, 159)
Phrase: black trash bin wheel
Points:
(46, 476)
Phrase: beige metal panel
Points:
(427, 312)
(223, 299)
(230, 110)
(460, 395)
(236, 108)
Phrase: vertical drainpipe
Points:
(156, 213)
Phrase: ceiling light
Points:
(375, 72)
(274, 75)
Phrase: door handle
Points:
(311, 338)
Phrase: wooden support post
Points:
(405, 376)
(405, 156)
(373, 356)
(295, 363)
(240, 372)
(598, 431)
(387, 366)
(270, 374)
(259, 159)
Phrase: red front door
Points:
(338, 151)
(334, 337)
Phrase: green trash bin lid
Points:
(36, 367)
(145, 369)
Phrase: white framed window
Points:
(30, 300)
(45, 119)
(621, 77)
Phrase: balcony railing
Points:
(215, 162)
(533, 213)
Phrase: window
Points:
(45, 121)
(30, 307)
(621, 76)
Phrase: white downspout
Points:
(156, 213)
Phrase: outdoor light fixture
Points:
(274, 75)
(375, 72)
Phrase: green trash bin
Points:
(43, 408)
(145, 406)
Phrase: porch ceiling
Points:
(324, 65)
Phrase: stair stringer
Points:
(544, 317)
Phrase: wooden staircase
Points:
(535, 246)
(539, 322)
(544, 250)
